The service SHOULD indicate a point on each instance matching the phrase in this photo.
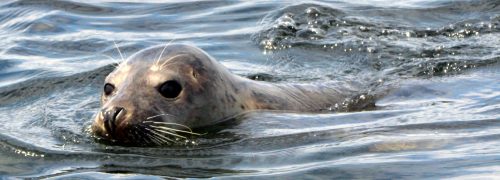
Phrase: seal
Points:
(158, 94)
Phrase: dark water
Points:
(433, 65)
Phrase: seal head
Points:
(159, 94)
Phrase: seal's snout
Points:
(112, 117)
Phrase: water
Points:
(433, 66)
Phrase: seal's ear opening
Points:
(170, 89)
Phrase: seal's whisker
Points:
(132, 134)
(155, 116)
(116, 63)
(159, 135)
(121, 55)
(141, 134)
(152, 137)
(168, 60)
(164, 139)
(165, 47)
(155, 140)
(169, 123)
(176, 130)
(170, 133)
(146, 138)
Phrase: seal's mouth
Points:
(144, 133)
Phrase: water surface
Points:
(433, 67)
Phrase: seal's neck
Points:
(288, 97)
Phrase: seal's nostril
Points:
(110, 118)
(117, 111)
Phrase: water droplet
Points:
(408, 34)
(370, 49)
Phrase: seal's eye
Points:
(170, 89)
(108, 89)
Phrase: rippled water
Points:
(433, 66)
